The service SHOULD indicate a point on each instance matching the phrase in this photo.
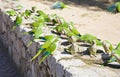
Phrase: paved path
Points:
(6, 67)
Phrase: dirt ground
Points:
(88, 17)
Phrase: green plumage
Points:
(118, 6)
(115, 8)
(73, 29)
(12, 12)
(17, 22)
(43, 15)
(58, 5)
(38, 31)
(89, 38)
(47, 46)
(117, 50)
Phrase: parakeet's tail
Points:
(46, 54)
(38, 53)
(30, 43)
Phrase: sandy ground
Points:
(100, 23)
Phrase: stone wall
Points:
(16, 44)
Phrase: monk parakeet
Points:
(115, 8)
(93, 49)
(73, 29)
(49, 50)
(107, 46)
(37, 31)
(18, 21)
(89, 38)
(45, 47)
(116, 54)
(58, 5)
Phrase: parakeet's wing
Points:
(73, 29)
(38, 31)
(118, 6)
(48, 52)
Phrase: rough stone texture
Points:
(7, 67)
(52, 66)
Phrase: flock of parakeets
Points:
(60, 27)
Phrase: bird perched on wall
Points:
(58, 5)
(93, 49)
(107, 46)
(47, 48)
(116, 53)
(115, 8)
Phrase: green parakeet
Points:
(89, 38)
(36, 33)
(49, 50)
(93, 49)
(17, 22)
(73, 29)
(58, 5)
(114, 8)
(107, 46)
(44, 47)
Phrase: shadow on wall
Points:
(102, 4)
